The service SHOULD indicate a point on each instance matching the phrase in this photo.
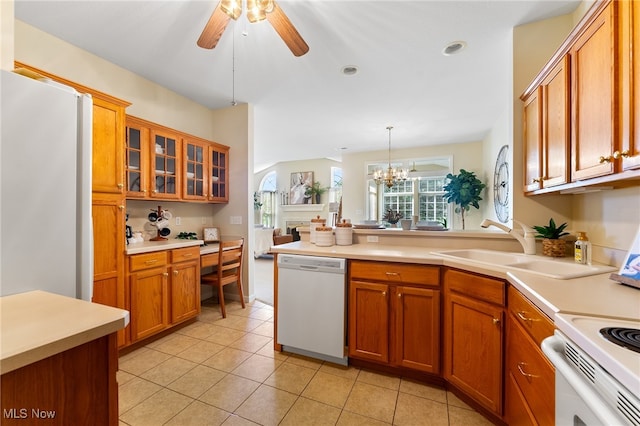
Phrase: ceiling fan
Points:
(257, 10)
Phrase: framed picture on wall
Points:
(300, 182)
(629, 273)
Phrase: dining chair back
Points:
(227, 271)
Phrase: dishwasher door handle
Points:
(308, 267)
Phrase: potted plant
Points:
(392, 217)
(464, 191)
(315, 191)
(552, 245)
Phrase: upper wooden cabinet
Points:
(587, 94)
(593, 107)
(162, 163)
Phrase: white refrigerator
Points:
(45, 183)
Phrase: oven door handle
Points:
(553, 348)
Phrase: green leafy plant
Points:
(464, 191)
(256, 201)
(551, 231)
(392, 216)
(315, 191)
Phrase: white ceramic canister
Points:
(344, 233)
(315, 223)
(324, 236)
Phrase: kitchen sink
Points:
(558, 268)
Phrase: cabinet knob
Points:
(165, 274)
(623, 154)
(535, 180)
(496, 321)
(608, 159)
(120, 186)
(144, 191)
(121, 207)
(175, 273)
(384, 293)
(521, 366)
(399, 294)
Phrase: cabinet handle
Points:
(496, 321)
(187, 255)
(521, 370)
(524, 318)
(624, 154)
(175, 273)
(150, 262)
(606, 159)
(165, 274)
(392, 274)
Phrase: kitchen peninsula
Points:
(476, 306)
(59, 359)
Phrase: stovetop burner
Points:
(625, 337)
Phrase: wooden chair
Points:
(227, 271)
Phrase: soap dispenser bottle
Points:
(582, 250)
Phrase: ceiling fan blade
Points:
(287, 31)
(214, 29)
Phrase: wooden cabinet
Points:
(594, 110)
(394, 314)
(108, 140)
(530, 388)
(185, 283)
(532, 141)
(163, 163)
(149, 292)
(164, 290)
(474, 336)
(218, 173)
(629, 23)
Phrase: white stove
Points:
(597, 381)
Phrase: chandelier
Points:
(390, 176)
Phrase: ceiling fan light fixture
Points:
(454, 48)
(233, 8)
(257, 10)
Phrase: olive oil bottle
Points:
(582, 249)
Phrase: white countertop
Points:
(149, 246)
(36, 325)
(594, 295)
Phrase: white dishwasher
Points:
(311, 306)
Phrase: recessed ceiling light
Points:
(349, 70)
(453, 48)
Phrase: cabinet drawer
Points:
(476, 286)
(139, 262)
(183, 254)
(534, 375)
(403, 273)
(532, 320)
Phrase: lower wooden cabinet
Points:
(530, 391)
(394, 314)
(164, 289)
(474, 336)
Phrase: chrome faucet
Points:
(527, 240)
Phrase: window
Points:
(335, 190)
(422, 195)
(268, 195)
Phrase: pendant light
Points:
(390, 176)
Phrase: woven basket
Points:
(553, 248)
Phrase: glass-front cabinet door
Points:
(136, 159)
(166, 166)
(194, 154)
(219, 173)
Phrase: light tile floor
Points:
(224, 371)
